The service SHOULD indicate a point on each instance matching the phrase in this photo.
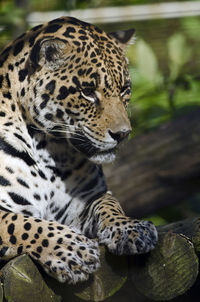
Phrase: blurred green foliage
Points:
(161, 94)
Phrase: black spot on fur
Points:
(23, 183)
(63, 93)
(4, 182)
(51, 86)
(13, 239)
(40, 230)
(52, 28)
(7, 148)
(32, 39)
(76, 81)
(11, 228)
(60, 241)
(22, 139)
(1, 80)
(63, 78)
(18, 47)
(69, 31)
(48, 116)
(37, 196)
(72, 90)
(28, 213)
(71, 263)
(20, 250)
(45, 243)
(45, 97)
(23, 92)
(36, 255)
(83, 38)
(33, 173)
(27, 226)
(18, 199)
(22, 74)
(34, 57)
(8, 80)
(41, 145)
(36, 236)
(4, 55)
(59, 113)
(10, 67)
(50, 235)
(7, 95)
(37, 27)
(8, 124)
(39, 249)
(14, 217)
(25, 236)
(3, 251)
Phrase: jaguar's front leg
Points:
(121, 234)
(63, 253)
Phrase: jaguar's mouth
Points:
(83, 144)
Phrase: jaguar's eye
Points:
(89, 94)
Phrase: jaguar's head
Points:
(79, 85)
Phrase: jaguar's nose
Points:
(119, 135)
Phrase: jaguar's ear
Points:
(49, 52)
(52, 52)
(124, 37)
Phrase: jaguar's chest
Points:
(67, 179)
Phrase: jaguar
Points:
(64, 91)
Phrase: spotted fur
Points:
(64, 89)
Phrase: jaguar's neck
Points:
(13, 129)
(13, 76)
(60, 152)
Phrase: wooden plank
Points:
(123, 13)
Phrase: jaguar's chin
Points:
(104, 157)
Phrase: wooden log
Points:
(165, 273)
(189, 227)
(159, 168)
(22, 282)
(104, 283)
(168, 271)
(172, 267)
